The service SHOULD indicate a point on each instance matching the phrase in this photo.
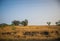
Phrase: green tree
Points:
(49, 23)
(15, 22)
(58, 23)
(25, 22)
(3, 24)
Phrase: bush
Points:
(58, 23)
(3, 25)
(15, 22)
(25, 22)
(49, 23)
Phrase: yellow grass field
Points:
(30, 32)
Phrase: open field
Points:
(25, 33)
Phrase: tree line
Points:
(57, 23)
(16, 23)
(24, 23)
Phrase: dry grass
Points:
(20, 30)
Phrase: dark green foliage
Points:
(25, 22)
(58, 23)
(3, 25)
(49, 23)
(15, 22)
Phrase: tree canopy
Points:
(15, 22)
(58, 23)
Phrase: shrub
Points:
(49, 23)
(15, 22)
(25, 22)
(58, 23)
(3, 25)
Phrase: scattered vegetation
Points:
(48, 23)
(25, 22)
(15, 22)
(28, 33)
(3, 25)
(58, 23)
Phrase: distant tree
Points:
(58, 23)
(49, 23)
(25, 22)
(15, 22)
(3, 24)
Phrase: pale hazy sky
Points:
(38, 12)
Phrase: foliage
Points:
(58, 23)
(3, 25)
(49, 23)
(25, 22)
(15, 22)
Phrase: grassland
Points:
(31, 33)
